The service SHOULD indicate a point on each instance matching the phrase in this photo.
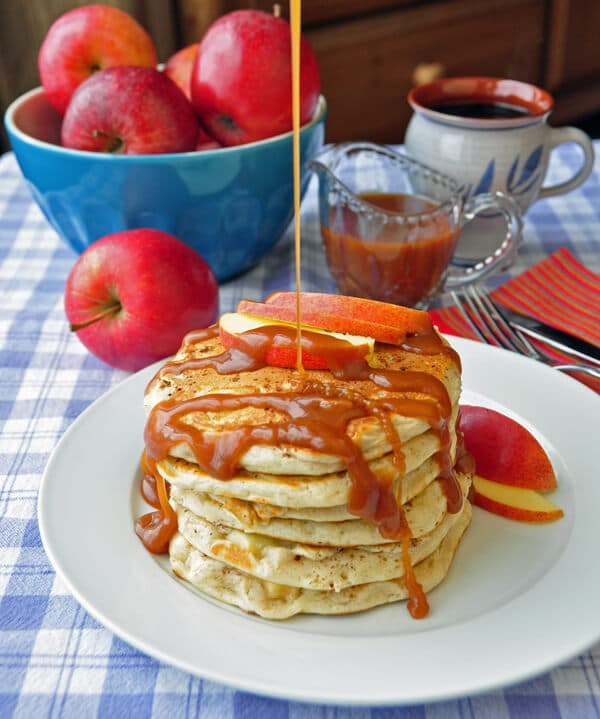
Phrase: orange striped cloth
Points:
(559, 291)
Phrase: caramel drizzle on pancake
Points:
(312, 422)
(318, 414)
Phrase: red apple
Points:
(179, 67)
(85, 40)
(504, 451)
(133, 295)
(340, 313)
(205, 142)
(129, 110)
(241, 80)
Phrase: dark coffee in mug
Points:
(491, 134)
(480, 110)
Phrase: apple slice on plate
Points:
(524, 505)
(283, 352)
(504, 450)
(339, 313)
(512, 467)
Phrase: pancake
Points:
(423, 514)
(310, 491)
(317, 491)
(366, 432)
(265, 512)
(285, 491)
(277, 601)
(305, 565)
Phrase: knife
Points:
(552, 337)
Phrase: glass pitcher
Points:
(390, 224)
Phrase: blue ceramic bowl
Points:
(229, 204)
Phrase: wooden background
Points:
(370, 52)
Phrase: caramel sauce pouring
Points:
(317, 413)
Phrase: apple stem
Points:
(110, 310)
(115, 144)
(277, 9)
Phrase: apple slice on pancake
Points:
(282, 352)
(339, 313)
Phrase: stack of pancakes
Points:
(277, 538)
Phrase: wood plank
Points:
(574, 105)
(582, 58)
(194, 17)
(367, 66)
(556, 47)
(197, 16)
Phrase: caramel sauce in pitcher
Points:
(401, 264)
(314, 413)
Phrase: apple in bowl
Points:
(179, 67)
(85, 40)
(129, 110)
(241, 78)
(230, 204)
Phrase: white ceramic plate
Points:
(519, 599)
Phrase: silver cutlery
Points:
(488, 323)
(549, 335)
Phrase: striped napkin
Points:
(559, 291)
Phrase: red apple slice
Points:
(524, 505)
(282, 353)
(504, 450)
(339, 313)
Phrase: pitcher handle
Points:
(498, 201)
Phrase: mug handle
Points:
(559, 135)
(498, 201)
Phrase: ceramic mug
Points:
(491, 135)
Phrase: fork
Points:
(486, 321)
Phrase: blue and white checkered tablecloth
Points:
(55, 660)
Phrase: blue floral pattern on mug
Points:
(485, 184)
(520, 180)
(528, 175)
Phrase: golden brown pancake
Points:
(310, 491)
(299, 564)
(423, 514)
(287, 527)
(366, 431)
(276, 601)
